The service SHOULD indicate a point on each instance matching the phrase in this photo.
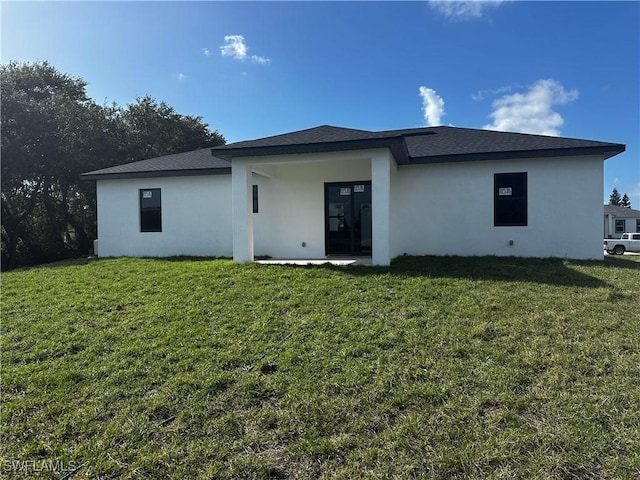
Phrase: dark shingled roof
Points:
(408, 146)
(197, 162)
(461, 143)
(618, 211)
(423, 145)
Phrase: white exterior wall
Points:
(447, 209)
(439, 209)
(630, 225)
(196, 217)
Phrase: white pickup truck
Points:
(629, 242)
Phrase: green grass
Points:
(436, 367)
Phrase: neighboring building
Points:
(618, 220)
(330, 191)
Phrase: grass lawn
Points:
(437, 367)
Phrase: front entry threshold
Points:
(342, 261)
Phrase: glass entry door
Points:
(348, 218)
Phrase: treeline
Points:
(51, 132)
(616, 199)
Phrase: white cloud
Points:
(235, 47)
(206, 52)
(182, 76)
(616, 181)
(259, 59)
(432, 106)
(491, 92)
(463, 10)
(531, 112)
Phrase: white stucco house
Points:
(328, 192)
(618, 220)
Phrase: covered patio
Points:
(294, 222)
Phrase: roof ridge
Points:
(293, 133)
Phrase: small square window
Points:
(510, 199)
(150, 210)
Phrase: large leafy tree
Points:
(154, 129)
(51, 132)
(40, 118)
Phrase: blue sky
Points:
(258, 69)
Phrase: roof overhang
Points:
(400, 152)
(396, 145)
(606, 152)
(156, 174)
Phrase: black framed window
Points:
(638, 225)
(510, 199)
(150, 210)
(620, 226)
(255, 199)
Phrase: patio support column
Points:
(381, 164)
(612, 229)
(242, 218)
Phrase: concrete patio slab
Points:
(321, 261)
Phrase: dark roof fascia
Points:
(608, 151)
(156, 174)
(397, 146)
